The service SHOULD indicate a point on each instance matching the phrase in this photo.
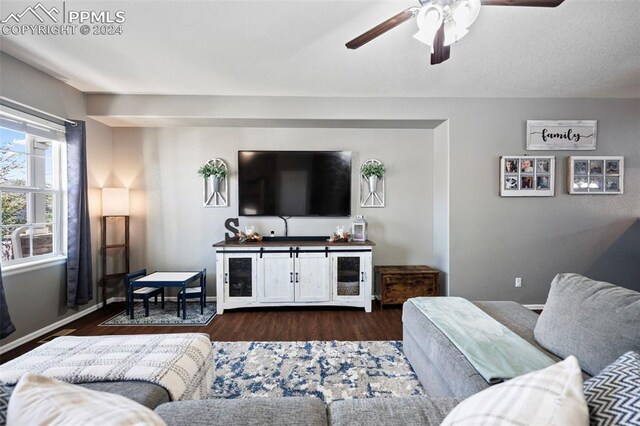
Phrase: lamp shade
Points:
(115, 202)
(461, 14)
(429, 20)
(453, 32)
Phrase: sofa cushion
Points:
(412, 410)
(441, 368)
(5, 394)
(39, 400)
(551, 396)
(148, 394)
(592, 320)
(246, 411)
(613, 395)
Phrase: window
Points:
(32, 188)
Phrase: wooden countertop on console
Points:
(405, 269)
(267, 243)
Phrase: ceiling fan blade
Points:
(382, 28)
(535, 3)
(440, 52)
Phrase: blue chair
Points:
(143, 293)
(192, 292)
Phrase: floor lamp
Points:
(115, 204)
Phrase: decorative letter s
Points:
(234, 231)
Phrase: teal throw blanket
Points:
(495, 351)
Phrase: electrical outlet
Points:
(518, 282)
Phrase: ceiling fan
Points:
(442, 22)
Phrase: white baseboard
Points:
(534, 307)
(32, 336)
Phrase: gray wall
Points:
(492, 239)
(441, 205)
(37, 299)
(620, 263)
(170, 228)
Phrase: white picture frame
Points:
(561, 135)
(595, 175)
(527, 176)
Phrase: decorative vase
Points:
(216, 183)
(373, 183)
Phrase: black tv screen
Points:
(294, 183)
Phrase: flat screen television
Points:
(294, 183)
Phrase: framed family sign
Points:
(596, 175)
(524, 176)
(561, 135)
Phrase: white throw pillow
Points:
(551, 396)
(39, 400)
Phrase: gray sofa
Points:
(275, 411)
(595, 321)
(308, 411)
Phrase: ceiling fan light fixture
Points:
(441, 22)
(465, 12)
(453, 32)
(459, 17)
(429, 20)
(461, 13)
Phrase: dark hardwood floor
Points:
(270, 324)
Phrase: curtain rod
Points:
(39, 111)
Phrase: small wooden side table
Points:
(395, 284)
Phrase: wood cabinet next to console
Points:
(395, 284)
(293, 273)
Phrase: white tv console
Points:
(293, 273)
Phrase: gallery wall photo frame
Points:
(561, 135)
(527, 176)
(595, 175)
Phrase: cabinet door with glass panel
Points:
(240, 277)
(349, 275)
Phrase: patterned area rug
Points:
(166, 316)
(329, 370)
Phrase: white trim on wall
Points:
(34, 265)
(32, 336)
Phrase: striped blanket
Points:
(180, 363)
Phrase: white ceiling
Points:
(583, 48)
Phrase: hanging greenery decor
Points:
(215, 186)
(373, 169)
(212, 169)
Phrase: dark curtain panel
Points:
(79, 270)
(6, 326)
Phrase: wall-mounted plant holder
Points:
(372, 183)
(215, 183)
